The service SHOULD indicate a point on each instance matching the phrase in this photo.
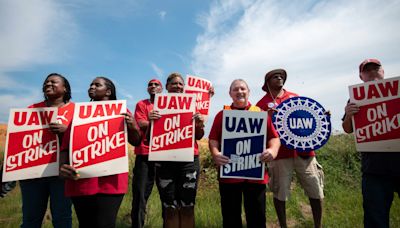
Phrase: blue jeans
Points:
(142, 185)
(378, 192)
(35, 195)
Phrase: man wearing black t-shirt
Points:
(380, 170)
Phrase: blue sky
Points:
(319, 43)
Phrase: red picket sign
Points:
(172, 136)
(377, 124)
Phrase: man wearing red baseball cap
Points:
(308, 170)
(380, 170)
(370, 70)
(144, 170)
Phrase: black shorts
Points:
(177, 182)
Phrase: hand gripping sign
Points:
(172, 136)
(31, 149)
(302, 124)
(200, 87)
(377, 124)
(243, 140)
(98, 142)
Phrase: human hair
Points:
(110, 85)
(172, 76)
(67, 94)
(239, 80)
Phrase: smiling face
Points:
(175, 85)
(154, 87)
(98, 90)
(54, 87)
(239, 92)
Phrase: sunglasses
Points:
(153, 84)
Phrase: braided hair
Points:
(110, 85)
(67, 95)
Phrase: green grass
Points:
(342, 204)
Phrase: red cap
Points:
(367, 61)
(155, 80)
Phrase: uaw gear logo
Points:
(302, 124)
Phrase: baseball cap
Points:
(367, 61)
(272, 73)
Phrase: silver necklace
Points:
(272, 105)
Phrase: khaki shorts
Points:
(309, 173)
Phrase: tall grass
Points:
(342, 203)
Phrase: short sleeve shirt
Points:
(216, 134)
(284, 152)
(113, 184)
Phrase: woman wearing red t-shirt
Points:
(177, 181)
(97, 200)
(36, 192)
(233, 190)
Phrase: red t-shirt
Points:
(65, 114)
(216, 134)
(284, 152)
(142, 111)
(113, 184)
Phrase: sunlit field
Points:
(342, 205)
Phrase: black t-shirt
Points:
(386, 163)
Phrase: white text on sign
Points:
(243, 162)
(34, 150)
(174, 134)
(301, 123)
(102, 143)
(381, 123)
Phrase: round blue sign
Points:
(302, 124)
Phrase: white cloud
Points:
(17, 95)
(157, 70)
(320, 44)
(14, 101)
(6, 81)
(33, 33)
(162, 14)
(126, 94)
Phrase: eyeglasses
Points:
(153, 84)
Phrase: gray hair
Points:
(239, 80)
